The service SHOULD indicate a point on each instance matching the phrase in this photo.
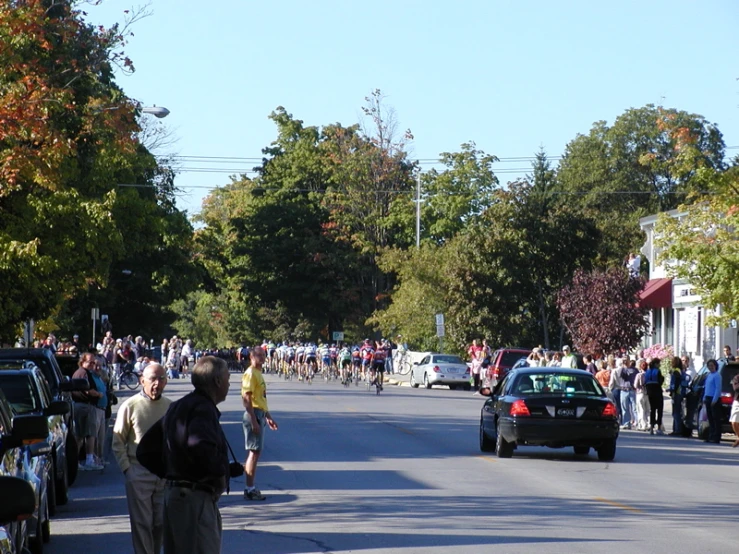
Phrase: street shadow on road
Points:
(266, 542)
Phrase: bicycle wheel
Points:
(130, 379)
(404, 366)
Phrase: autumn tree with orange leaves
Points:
(68, 136)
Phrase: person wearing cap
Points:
(76, 343)
(568, 358)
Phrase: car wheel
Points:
(467, 386)
(51, 491)
(486, 445)
(426, 382)
(582, 450)
(61, 485)
(607, 451)
(503, 448)
(72, 459)
(452, 387)
(414, 383)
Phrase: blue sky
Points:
(509, 75)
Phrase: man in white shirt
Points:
(568, 358)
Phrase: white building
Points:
(677, 316)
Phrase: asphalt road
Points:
(349, 471)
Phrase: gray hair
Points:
(206, 371)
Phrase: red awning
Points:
(656, 294)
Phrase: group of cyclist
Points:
(365, 362)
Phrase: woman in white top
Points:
(642, 400)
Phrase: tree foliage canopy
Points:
(68, 137)
(601, 312)
(701, 243)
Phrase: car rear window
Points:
(554, 383)
(447, 360)
(727, 374)
(20, 393)
(510, 358)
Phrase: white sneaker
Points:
(91, 467)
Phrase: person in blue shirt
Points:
(712, 402)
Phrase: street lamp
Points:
(156, 111)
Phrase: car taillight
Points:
(610, 410)
(437, 369)
(727, 398)
(519, 408)
(467, 372)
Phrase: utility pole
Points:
(418, 211)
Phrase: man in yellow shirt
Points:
(256, 418)
(144, 490)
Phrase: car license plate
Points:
(565, 412)
(452, 370)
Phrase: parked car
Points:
(554, 407)
(28, 393)
(694, 400)
(23, 449)
(61, 388)
(440, 369)
(503, 360)
(18, 504)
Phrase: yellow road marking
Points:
(619, 505)
(487, 459)
(352, 410)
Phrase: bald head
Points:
(153, 380)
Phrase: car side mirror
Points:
(415, 363)
(27, 429)
(486, 391)
(75, 385)
(58, 407)
(19, 500)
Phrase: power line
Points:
(260, 159)
(388, 191)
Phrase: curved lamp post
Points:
(156, 111)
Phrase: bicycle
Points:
(129, 378)
(404, 363)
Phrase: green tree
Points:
(68, 136)
(418, 296)
(698, 242)
(644, 163)
(464, 190)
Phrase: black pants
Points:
(713, 411)
(656, 407)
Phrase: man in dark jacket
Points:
(197, 467)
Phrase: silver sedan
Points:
(441, 369)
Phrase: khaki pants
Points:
(145, 495)
(192, 522)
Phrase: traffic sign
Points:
(440, 330)
(338, 336)
(439, 319)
